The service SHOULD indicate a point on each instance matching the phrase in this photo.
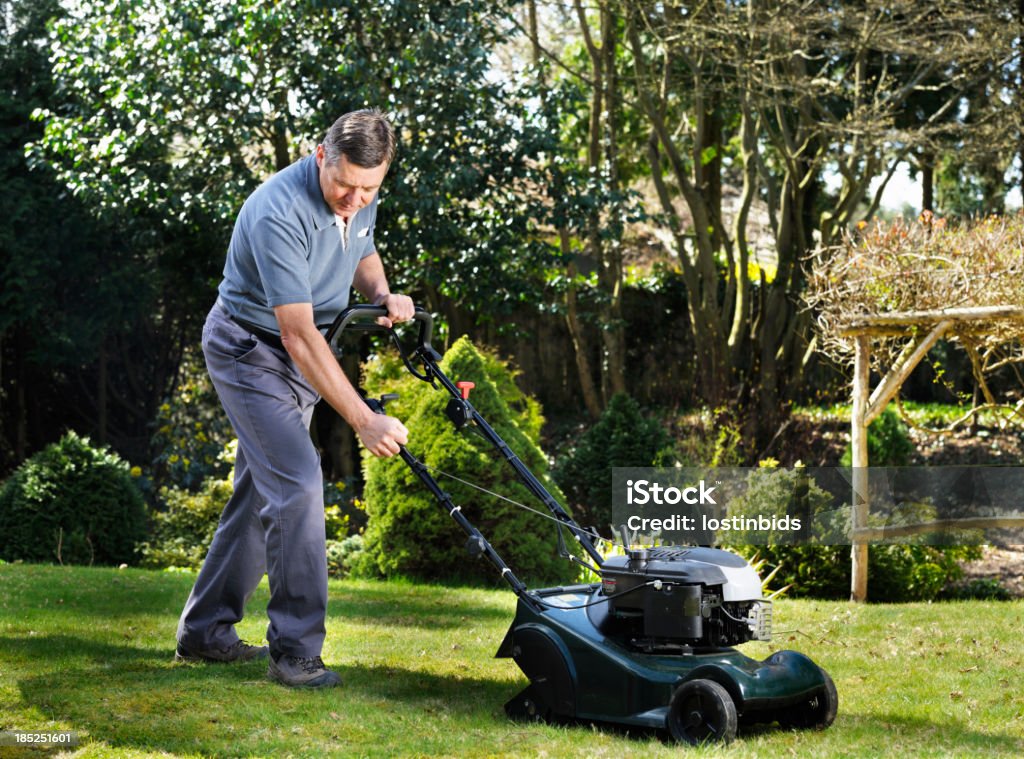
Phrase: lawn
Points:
(90, 650)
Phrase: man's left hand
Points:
(400, 309)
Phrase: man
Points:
(301, 241)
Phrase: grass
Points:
(930, 415)
(90, 650)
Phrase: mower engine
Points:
(674, 599)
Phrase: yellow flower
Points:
(136, 471)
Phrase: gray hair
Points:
(366, 138)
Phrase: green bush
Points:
(980, 589)
(888, 442)
(71, 503)
(191, 431)
(345, 515)
(183, 528)
(896, 573)
(408, 533)
(709, 437)
(622, 437)
(343, 555)
(184, 523)
(907, 571)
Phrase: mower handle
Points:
(356, 317)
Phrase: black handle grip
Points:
(360, 317)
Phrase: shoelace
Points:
(311, 664)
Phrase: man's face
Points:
(347, 187)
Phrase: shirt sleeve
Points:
(280, 250)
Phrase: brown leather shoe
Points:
(299, 672)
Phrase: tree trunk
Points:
(927, 182)
(531, 25)
(601, 160)
(613, 333)
(579, 344)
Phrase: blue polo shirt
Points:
(287, 247)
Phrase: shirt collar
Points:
(323, 216)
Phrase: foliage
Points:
(897, 573)
(888, 442)
(186, 106)
(709, 437)
(980, 588)
(726, 99)
(343, 555)
(622, 437)
(818, 566)
(70, 292)
(191, 430)
(72, 503)
(182, 529)
(345, 514)
(160, 118)
(185, 519)
(408, 532)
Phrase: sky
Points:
(902, 189)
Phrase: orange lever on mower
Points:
(465, 387)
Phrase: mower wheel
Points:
(816, 713)
(701, 711)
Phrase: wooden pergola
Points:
(868, 404)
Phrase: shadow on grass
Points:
(125, 696)
(438, 607)
(131, 697)
(949, 738)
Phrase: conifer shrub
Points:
(71, 503)
(408, 533)
(622, 437)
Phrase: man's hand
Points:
(400, 309)
(382, 435)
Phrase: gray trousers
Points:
(274, 521)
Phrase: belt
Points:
(270, 338)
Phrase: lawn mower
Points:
(651, 644)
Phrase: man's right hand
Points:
(382, 435)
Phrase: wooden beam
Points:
(907, 320)
(859, 446)
(897, 375)
(967, 523)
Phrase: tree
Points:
(174, 112)
(813, 87)
(66, 289)
(580, 65)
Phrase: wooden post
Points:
(859, 446)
